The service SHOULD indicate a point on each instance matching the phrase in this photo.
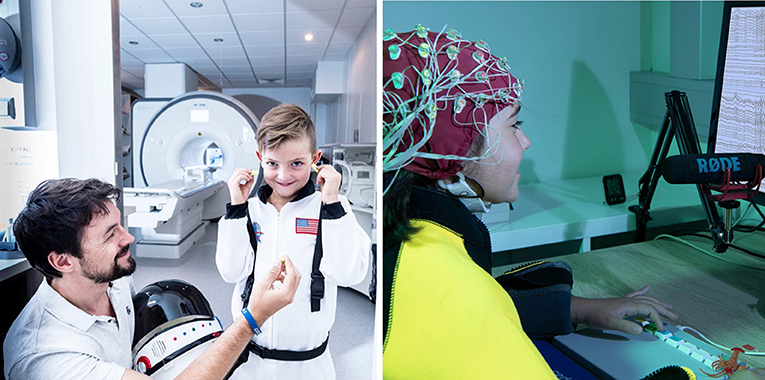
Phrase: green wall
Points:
(575, 58)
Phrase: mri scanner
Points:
(184, 151)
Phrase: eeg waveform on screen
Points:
(741, 122)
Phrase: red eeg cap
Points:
(487, 80)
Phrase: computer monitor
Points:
(738, 105)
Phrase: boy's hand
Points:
(239, 192)
(329, 180)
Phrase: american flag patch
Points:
(306, 226)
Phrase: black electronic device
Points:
(613, 186)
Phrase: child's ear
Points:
(257, 152)
(316, 156)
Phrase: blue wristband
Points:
(251, 321)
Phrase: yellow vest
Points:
(449, 319)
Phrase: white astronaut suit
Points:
(292, 232)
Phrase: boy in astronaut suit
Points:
(285, 218)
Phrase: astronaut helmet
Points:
(174, 323)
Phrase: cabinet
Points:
(127, 139)
(356, 163)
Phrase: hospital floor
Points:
(352, 339)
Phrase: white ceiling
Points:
(262, 40)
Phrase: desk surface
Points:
(725, 302)
(565, 210)
(12, 267)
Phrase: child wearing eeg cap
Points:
(452, 146)
(287, 217)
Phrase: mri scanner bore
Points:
(185, 149)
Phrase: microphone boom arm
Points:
(678, 124)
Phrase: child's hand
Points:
(329, 180)
(609, 313)
(239, 185)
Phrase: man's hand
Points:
(240, 193)
(266, 299)
(329, 180)
(609, 313)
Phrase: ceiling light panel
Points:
(258, 25)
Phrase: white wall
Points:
(358, 104)
(300, 96)
(75, 91)
(87, 90)
(575, 57)
(356, 108)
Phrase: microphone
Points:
(710, 168)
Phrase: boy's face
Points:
(287, 167)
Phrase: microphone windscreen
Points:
(710, 168)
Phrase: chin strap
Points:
(462, 190)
